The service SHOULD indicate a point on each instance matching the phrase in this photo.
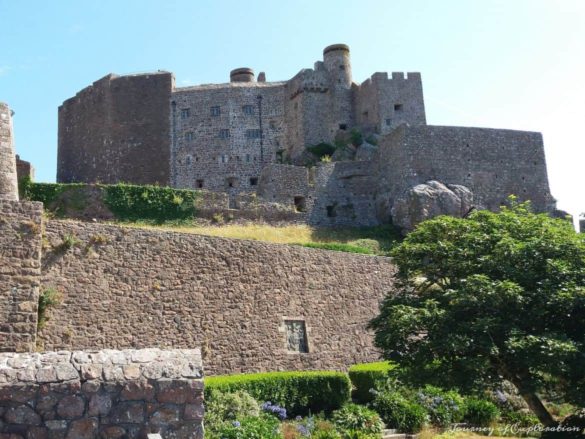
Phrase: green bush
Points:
(523, 419)
(443, 407)
(228, 407)
(299, 392)
(366, 377)
(353, 417)
(356, 136)
(480, 413)
(251, 427)
(322, 149)
(47, 193)
(399, 413)
(129, 202)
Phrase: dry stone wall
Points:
(20, 270)
(8, 182)
(131, 288)
(106, 394)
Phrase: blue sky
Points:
(516, 64)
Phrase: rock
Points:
(23, 415)
(71, 407)
(128, 413)
(429, 200)
(100, 404)
(164, 416)
(366, 152)
(137, 391)
(83, 429)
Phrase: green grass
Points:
(378, 240)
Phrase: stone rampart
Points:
(106, 394)
(248, 304)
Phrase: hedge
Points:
(365, 376)
(299, 392)
(127, 202)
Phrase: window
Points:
(215, 111)
(388, 122)
(248, 110)
(199, 184)
(342, 126)
(300, 205)
(253, 181)
(223, 158)
(185, 113)
(397, 107)
(231, 182)
(224, 133)
(296, 336)
(331, 211)
(341, 67)
(189, 136)
(248, 157)
(188, 160)
(272, 125)
(253, 134)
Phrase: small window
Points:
(272, 125)
(215, 111)
(300, 205)
(253, 134)
(188, 160)
(189, 136)
(248, 110)
(341, 67)
(224, 133)
(185, 113)
(253, 181)
(331, 211)
(231, 182)
(223, 158)
(388, 122)
(296, 336)
(397, 107)
(199, 184)
(248, 157)
(342, 126)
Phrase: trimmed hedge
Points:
(339, 247)
(127, 202)
(299, 392)
(365, 376)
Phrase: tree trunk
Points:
(519, 379)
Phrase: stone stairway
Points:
(390, 433)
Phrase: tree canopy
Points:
(491, 297)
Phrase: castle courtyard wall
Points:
(492, 163)
(131, 288)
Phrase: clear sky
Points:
(516, 64)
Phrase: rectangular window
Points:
(247, 157)
(224, 133)
(248, 110)
(253, 181)
(189, 136)
(199, 184)
(185, 113)
(397, 107)
(388, 122)
(253, 134)
(215, 111)
(224, 158)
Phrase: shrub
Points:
(521, 418)
(299, 392)
(480, 413)
(372, 140)
(356, 136)
(229, 407)
(322, 149)
(274, 409)
(352, 417)
(339, 247)
(251, 427)
(443, 407)
(47, 299)
(400, 413)
(367, 376)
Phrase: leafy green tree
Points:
(492, 297)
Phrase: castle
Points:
(251, 136)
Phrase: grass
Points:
(378, 240)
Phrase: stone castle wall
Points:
(106, 394)
(131, 288)
(491, 163)
(24, 169)
(117, 130)
(20, 270)
(8, 178)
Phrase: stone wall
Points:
(117, 130)
(24, 169)
(106, 394)
(20, 269)
(8, 181)
(492, 163)
(131, 288)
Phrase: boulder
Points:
(425, 201)
(366, 152)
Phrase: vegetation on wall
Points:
(47, 299)
(321, 149)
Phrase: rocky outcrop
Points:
(428, 200)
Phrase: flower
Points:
(236, 424)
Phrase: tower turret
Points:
(8, 179)
(242, 74)
(337, 62)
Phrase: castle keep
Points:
(251, 136)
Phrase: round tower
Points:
(242, 74)
(8, 179)
(337, 62)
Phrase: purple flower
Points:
(236, 424)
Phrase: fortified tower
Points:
(337, 63)
(8, 179)
(242, 74)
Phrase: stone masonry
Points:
(131, 288)
(8, 179)
(246, 136)
(106, 394)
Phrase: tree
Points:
(492, 297)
